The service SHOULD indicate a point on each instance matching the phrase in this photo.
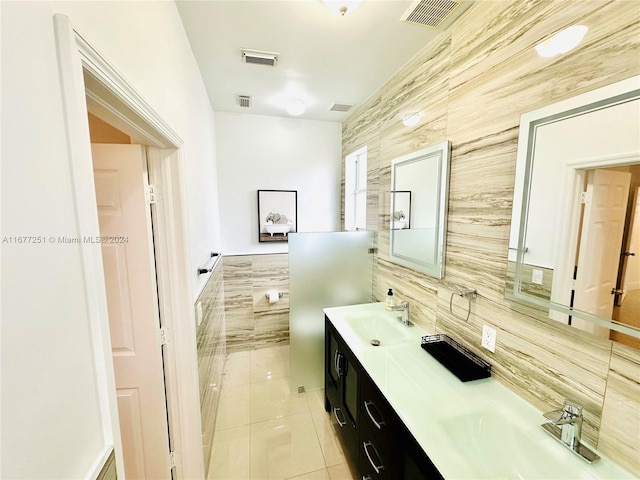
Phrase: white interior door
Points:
(631, 275)
(600, 245)
(130, 278)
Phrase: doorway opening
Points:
(125, 216)
(91, 85)
(606, 268)
(126, 162)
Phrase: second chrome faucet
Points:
(404, 308)
(566, 426)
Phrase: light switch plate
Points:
(488, 338)
(536, 276)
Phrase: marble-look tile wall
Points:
(472, 84)
(252, 322)
(211, 347)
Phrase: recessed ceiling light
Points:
(562, 42)
(296, 107)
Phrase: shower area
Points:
(238, 311)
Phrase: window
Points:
(355, 190)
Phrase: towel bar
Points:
(208, 270)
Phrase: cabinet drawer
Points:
(375, 411)
(346, 431)
(375, 462)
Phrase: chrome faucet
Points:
(404, 308)
(566, 426)
(569, 419)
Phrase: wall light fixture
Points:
(562, 42)
(411, 120)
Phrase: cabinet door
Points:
(350, 389)
(334, 367)
(341, 390)
(415, 464)
(349, 397)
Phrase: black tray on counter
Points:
(460, 361)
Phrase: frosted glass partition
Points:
(325, 270)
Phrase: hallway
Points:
(265, 432)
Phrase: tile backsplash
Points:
(211, 348)
(252, 322)
(472, 84)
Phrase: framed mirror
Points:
(574, 248)
(419, 197)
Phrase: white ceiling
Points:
(323, 57)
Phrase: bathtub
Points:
(272, 228)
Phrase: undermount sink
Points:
(474, 434)
(384, 327)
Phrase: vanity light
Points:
(562, 42)
(411, 120)
(341, 7)
(296, 107)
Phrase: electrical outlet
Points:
(488, 338)
(536, 276)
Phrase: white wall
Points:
(146, 43)
(269, 153)
(51, 419)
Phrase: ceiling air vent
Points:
(339, 107)
(435, 13)
(258, 57)
(244, 100)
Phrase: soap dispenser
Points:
(388, 304)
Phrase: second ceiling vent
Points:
(339, 107)
(438, 14)
(259, 57)
(244, 100)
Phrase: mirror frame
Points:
(604, 97)
(442, 153)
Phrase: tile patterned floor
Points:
(265, 432)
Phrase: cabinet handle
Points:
(336, 362)
(335, 414)
(377, 468)
(378, 424)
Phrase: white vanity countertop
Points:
(469, 430)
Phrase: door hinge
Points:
(164, 336)
(173, 460)
(152, 194)
(585, 197)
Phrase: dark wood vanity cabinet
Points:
(377, 442)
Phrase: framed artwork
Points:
(277, 215)
(401, 209)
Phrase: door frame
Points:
(566, 240)
(111, 92)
